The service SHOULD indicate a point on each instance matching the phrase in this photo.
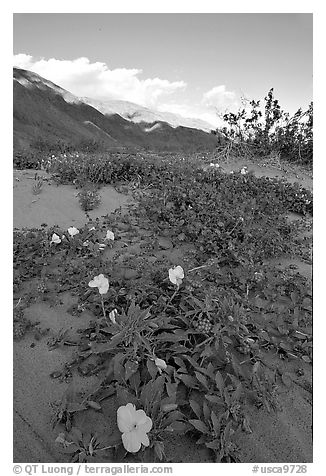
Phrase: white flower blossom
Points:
(134, 426)
(100, 282)
(160, 364)
(55, 239)
(109, 235)
(176, 275)
(73, 231)
(113, 314)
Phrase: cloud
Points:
(195, 111)
(96, 80)
(221, 99)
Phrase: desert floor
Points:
(284, 436)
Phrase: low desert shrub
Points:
(89, 197)
(269, 129)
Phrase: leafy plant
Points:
(268, 129)
(89, 198)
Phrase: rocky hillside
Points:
(44, 111)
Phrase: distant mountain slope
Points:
(136, 113)
(43, 110)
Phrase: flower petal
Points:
(93, 283)
(144, 439)
(172, 276)
(103, 289)
(109, 235)
(131, 441)
(179, 272)
(144, 423)
(125, 417)
(160, 363)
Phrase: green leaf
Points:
(195, 407)
(294, 297)
(206, 410)
(261, 303)
(94, 405)
(113, 440)
(106, 392)
(151, 367)
(158, 386)
(246, 425)
(300, 336)
(171, 389)
(168, 407)
(130, 367)
(72, 448)
(118, 369)
(215, 422)
(178, 427)
(200, 426)
(219, 381)
(202, 379)
(124, 397)
(76, 434)
(107, 346)
(214, 444)
(306, 304)
(285, 346)
(237, 393)
(159, 449)
(287, 380)
(134, 381)
(187, 380)
(170, 337)
(214, 399)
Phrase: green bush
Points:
(273, 130)
(89, 198)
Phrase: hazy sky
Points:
(190, 64)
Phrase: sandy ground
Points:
(55, 205)
(290, 173)
(277, 437)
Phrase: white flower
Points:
(134, 426)
(232, 172)
(109, 235)
(176, 275)
(56, 239)
(160, 364)
(244, 171)
(100, 282)
(113, 315)
(73, 231)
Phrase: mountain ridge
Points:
(45, 111)
(137, 113)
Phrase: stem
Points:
(199, 267)
(171, 299)
(103, 308)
